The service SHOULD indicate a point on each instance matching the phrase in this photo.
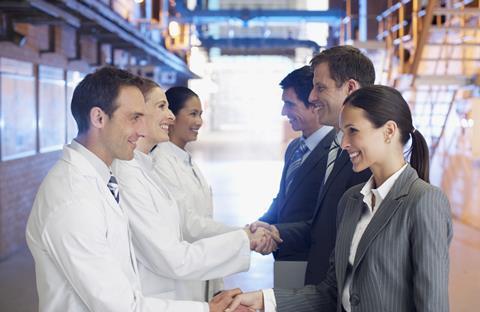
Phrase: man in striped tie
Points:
(305, 158)
(337, 72)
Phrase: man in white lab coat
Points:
(77, 232)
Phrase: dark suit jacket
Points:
(317, 236)
(300, 202)
(401, 263)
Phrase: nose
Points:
(345, 144)
(284, 110)
(141, 127)
(171, 116)
(199, 121)
(312, 97)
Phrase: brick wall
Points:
(19, 181)
(20, 178)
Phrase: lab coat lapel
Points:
(76, 160)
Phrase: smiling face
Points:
(121, 131)
(301, 118)
(326, 96)
(158, 116)
(364, 143)
(187, 123)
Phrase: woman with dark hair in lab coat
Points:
(193, 193)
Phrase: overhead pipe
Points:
(201, 16)
(254, 43)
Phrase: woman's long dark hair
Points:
(381, 104)
(177, 96)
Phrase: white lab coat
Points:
(79, 238)
(165, 260)
(194, 198)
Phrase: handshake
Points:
(235, 301)
(264, 238)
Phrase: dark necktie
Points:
(295, 163)
(113, 187)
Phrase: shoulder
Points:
(292, 145)
(425, 196)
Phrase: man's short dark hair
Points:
(346, 62)
(99, 89)
(301, 80)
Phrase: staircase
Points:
(434, 59)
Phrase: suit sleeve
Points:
(311, 298)
(430, 237)
(160, 249)
(295, 235)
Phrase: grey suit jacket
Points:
(401, 262)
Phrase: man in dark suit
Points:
(338, 71)
(305, 158)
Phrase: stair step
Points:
(451, 59)
(444, 80)
(457, 11)
(452, 44)
(453, 27)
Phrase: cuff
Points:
(269, 302)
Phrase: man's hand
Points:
(251, 300)
(271, 240)
(221, 301)
(261, 240)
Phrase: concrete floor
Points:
(244, 184)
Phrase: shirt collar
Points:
(315, 138)
(145, 160)
(381, 191)
(180, 153)
(93, 159)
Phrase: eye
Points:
(352, 130)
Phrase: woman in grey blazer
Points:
(391, 252)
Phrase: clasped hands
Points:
(236, 301)
(264, 237)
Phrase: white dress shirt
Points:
(165, 260)
(79, 238)
(368, 192)
(314, 139)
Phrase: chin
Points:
(358, 168)
(126, 156)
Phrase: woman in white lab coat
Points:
(165, 260)
(183, 177)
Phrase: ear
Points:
(352, 85)
(97, 117)
(390, 130)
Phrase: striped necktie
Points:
(295, 163)
(113, 187)
(332, 156)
